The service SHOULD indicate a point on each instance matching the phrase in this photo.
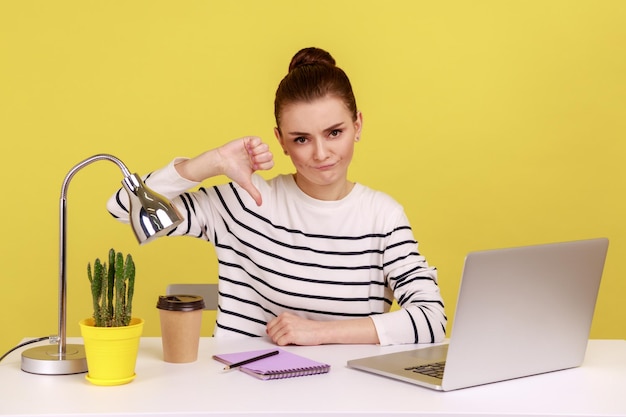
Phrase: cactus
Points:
(110, 283)
(112, 290)
(129, 274)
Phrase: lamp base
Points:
(45, 360)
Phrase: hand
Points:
(240, 158)
(289, 329)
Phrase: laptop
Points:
(521, 311)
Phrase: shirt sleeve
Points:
(421, 317)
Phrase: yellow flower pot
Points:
(111, 351)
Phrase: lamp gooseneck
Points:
(151, 216)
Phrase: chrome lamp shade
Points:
(151, 216)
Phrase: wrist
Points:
(203, 166)
(349, 331)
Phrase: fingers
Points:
(261, 158)
(259, 153)
(277, 330)
(289, 329)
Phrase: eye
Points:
(334, 133)
(300, 139)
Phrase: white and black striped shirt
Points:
(322, 260)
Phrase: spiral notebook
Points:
(283, 365)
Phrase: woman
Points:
(309, 258)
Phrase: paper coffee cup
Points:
(181, 320)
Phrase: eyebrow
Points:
(329, 129)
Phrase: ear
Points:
(280, 139)
(358, 125)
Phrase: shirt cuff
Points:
(170, 183)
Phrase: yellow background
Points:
(495, 123)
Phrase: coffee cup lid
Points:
(180, 302)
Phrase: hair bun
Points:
(311, 56)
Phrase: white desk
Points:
(598, 388)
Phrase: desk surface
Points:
(598, 388)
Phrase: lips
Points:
(325, 167)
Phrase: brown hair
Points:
(313, 75)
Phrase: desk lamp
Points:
(151, 216)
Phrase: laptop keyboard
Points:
(431, 369)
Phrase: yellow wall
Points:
(495, 123)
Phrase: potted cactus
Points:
(112, 290)
(112, 335)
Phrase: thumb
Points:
(253, 191)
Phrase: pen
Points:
(256, 358)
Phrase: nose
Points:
(320, 152)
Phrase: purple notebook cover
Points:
(283, 365)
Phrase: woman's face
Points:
(319, 138)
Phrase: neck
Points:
(331, 192)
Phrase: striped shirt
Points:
(321, 260)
